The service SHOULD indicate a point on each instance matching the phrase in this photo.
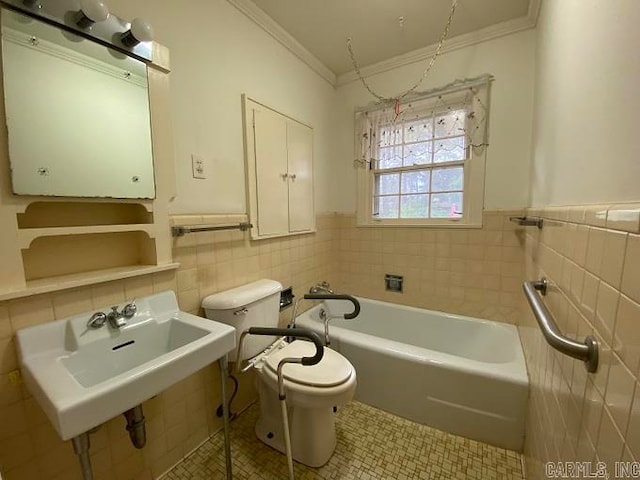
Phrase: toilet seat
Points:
(333, 369)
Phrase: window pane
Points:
(414, 206)
(449, 150)
(450, 124)
(418, 130)
(418, 153)
(387, 184)
(390, 157)
(389, 135)
(447, 179)
(386, 207)
(446, 205)
(415, 182)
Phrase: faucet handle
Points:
(97, 320)
(130, 309)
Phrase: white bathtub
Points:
(458, 374)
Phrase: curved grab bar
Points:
(290, 332)
(298, 333)
(337, 296)
(587, 351)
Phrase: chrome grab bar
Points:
(587, 351)
(527, 221)
(180, 230)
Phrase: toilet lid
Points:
(332, 370)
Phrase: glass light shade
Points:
(94, 10)
(141, 30)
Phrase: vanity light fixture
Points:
(91, 19)
(140, 31)
(91, 11)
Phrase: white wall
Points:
(511, 60)
(216, 55)
(586, 134)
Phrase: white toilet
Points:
(312, 391)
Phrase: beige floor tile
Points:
(372, 444)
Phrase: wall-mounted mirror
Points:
(77, 114)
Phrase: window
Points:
(424, 166)
(419, 172)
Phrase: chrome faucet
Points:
(322, 287)
(116, 319)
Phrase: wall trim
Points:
(620, 216)
(264, 21)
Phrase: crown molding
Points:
(264, 21)
(455, 43)
(534, 11)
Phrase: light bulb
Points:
(91, 11)
(140, 31)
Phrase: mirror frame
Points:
(66, 162)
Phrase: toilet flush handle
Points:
(242, 311)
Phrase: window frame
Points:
(473, 186)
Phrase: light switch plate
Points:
(198, 166)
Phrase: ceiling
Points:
(322, 26)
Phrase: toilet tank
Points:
(256, 304)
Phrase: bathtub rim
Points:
(514, 371)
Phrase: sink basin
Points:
(82, 377)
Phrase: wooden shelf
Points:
(28, 235)
(64, 282)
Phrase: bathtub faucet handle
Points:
(321, 287)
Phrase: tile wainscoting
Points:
(182, 417)
(475, 272)
(591, 256)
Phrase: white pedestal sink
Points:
(82, 377)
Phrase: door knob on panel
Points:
(284, 175)
(293, 176)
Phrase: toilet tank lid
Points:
(241, 296)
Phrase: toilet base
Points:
(313, 433)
